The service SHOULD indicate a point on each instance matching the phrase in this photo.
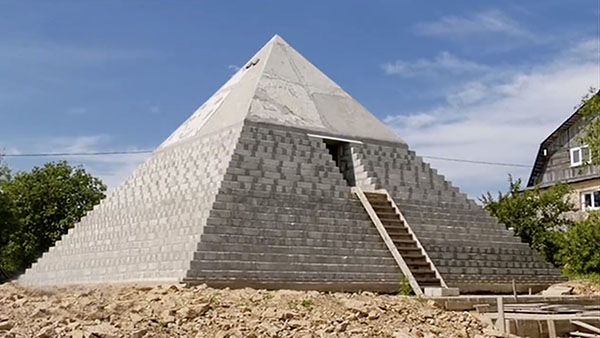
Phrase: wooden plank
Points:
(585, 326)
(388, 241)
(583, 334)
(535, 316)
(466, 303)
(551, 329)
(500, 323)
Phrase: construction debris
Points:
(177, 311)
(544, 319)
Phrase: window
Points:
(590, 200)
(579, 155)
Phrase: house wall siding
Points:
(558, 164)
(575, 197)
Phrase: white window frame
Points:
(592, 199)
(580, 150)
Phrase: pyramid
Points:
(258, 188)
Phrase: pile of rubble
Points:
(584, 287)
(177, 311)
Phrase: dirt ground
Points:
(583, 287)
(177, 311)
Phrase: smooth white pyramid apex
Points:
(277, 38)
(279, 86)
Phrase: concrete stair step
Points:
(388, 215)
(292, 275)
(397, 229)
(353, 227)
(405, 249)
(293, 257)
(290, 234)
(423, 273)
(427, 281)
(415, 264)
(279, 267)
(404, 242)
(380, 203)
(401, 236)
(395, 222)
(297, 249)
(283, 241)
(372, 196)
(383, 209)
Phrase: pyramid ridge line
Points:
(198, 137)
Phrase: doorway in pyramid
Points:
(341, 154)
(282, 180)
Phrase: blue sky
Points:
(465, 79)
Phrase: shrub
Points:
(404, 288)
(580, 253)
(534, 215)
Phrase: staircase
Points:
(400, 240)
(404, 240)
(363, 178)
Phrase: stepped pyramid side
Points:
(286, 218)
(470, 248)
(148, 229)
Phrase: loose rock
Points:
(112, 311)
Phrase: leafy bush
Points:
(580, 253)
(38, 207)
(534, 215)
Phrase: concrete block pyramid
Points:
(254, 189)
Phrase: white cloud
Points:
(77, 111)
(443, 63)
(233, 68)
(486, 22)
(154, 109)
(500, 118)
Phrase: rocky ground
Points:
(583, 287)
(177, 311)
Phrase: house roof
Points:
(541, 159)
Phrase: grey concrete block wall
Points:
(468, 246)
(285, 217)
(266, 206)
(149, 227)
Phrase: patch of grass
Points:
(214, 301)
(404, 289)
(268, 296)
(591, 278)
(307, 304)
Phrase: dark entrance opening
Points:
(341, 154)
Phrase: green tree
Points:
(46, 202)
(580, 253)
(534, 215)
(7, 220)
(590, 111)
